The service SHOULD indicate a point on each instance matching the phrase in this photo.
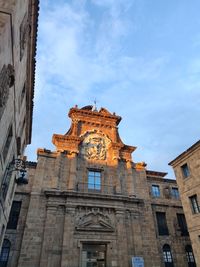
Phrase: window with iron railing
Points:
(105, 188)
(95, 184)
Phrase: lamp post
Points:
(16, 165)
(19, 166)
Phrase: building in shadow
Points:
(88, 203)
(18, 31)
(187, 170)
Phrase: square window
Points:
(185, 170)
(94, 180)
(155, 190)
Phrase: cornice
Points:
(88, 114)
(47, 153)
(156, 173)
(185, 154)
(121, 198)
(31, 64)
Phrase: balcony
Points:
(92, 188)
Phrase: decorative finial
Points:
(94, 108)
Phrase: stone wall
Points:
(189, 186)
(18, 22)
(63, 215)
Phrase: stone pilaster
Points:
(73, 172)
(68, 259)
(121, 239)
(49, 237)
(33, 233)
(136, 233)
(130, 179)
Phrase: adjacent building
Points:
(187, 170)
(88, 203)
(18, 30)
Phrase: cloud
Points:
(64, 38)
(104, 49)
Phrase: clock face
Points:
(94, 147)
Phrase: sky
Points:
(138, 58)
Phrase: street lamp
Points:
(19, 165)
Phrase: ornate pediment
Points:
(95, 222)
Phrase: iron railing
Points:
(96, 188)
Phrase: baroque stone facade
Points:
(187, 169)
(18, 27)
(89, 204)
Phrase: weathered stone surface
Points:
(190, 186)
(16, 92)
(65, 218)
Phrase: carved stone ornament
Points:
(94, 146)
(24, 31)
(6, 81)
(95, 221)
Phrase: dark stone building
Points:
(18, 34)
(89, 204)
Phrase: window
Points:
(162, 223)
(185, 170)
(182, 224)
(194, 204)
(5, 253)
(6, 182)
(2, 232)
(23, 93)
(155, 190)
(175, 193)
(94, 180)
(18, 141)
(7, 144)
(167, 256)
(190, 256)
(14, 215)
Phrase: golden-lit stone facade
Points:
(187, 170)
(18, 28)
(89, 204)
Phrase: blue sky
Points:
(138, 58)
